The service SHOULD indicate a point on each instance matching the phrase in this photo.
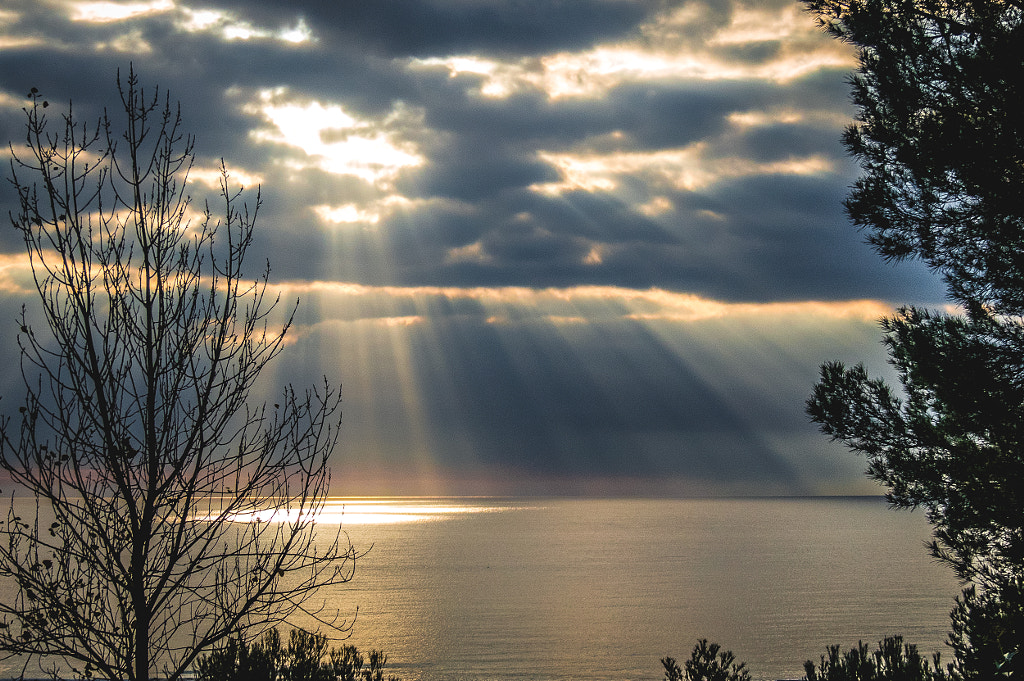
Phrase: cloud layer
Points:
(597, 241)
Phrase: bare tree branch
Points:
(152, 473)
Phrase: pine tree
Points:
(940, 96)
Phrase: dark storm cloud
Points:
(781, 238)
(401, 28)
(651, 116)
(773, 236)
(475, 168)
(784, 238)
(484, 152)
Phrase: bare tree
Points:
(169, 513)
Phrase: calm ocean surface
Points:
(590, 590)
(559, 589)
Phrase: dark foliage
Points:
(305, 658)
(893, 660)
(707, 663)
(940, 98)
(986, 625)
(951, 442)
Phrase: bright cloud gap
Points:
(574, 303)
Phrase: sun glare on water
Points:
(374, 511)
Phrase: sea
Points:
(574, 589)
(603, 589)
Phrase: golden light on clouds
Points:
(103, 12)
(233, 29)
(228, 27)
(16, 275)
(210, 177)
(20, 42)
(224, 24)
(499, 80)
(130, 42)
(757, 24)
(786, 116)
(470, 253)
(659, 205)
(197, 20)
(10, 41)
(347, 213)
(595, 256)
(458, 65)
(661, 55)
(367, 214)
(689, 168)
(757, 119)
(351, 300)
(693, 308)
(594, 73)
(328, 137)
(8, 101)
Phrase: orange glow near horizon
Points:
(349, 511)
(561, 303)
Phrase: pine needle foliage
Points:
(939, 134)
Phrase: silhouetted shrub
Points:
(236, 661)
(893, 661)
(305, 658)
(706, 663)
(985, 626)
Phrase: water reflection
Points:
(557, 589)
(349, 511)
(390, 510)
(504, 589)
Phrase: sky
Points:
(544, 246)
